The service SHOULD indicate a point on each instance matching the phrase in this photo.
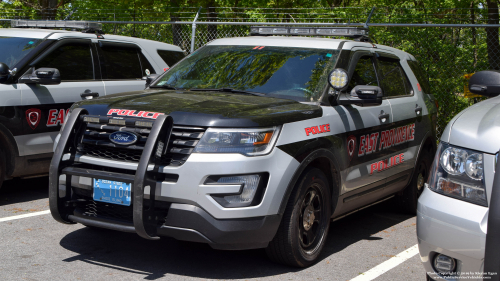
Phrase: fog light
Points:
(250, 184)
(444, 264)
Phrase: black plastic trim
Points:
(57, 207)
(146, 218)
(234, 234)
(105, 175)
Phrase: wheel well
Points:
(8, 147)
(326, 166)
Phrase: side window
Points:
(393, 79)
(364, 74)
(145, 65)
(74, 61)
(171, 57)
(422, 77)
(122, 62)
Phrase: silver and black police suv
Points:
(254, 142)
(44, 71)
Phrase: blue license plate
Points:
(114, 192)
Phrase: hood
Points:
(477, 127)
(207, 109)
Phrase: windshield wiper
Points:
(230, 90)
(165, 87)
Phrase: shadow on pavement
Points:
(156, 259)
(24, 190)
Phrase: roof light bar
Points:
(56, 24)
(307, 31)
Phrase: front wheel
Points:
(302, 233)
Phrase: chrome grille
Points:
(95, 143)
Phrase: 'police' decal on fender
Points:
(318, 129)
(387, 163)
(134, 113)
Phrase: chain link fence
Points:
(449, 43)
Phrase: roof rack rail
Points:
(81, 25)
(359, 33)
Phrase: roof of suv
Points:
(59, 34)
(303, 42)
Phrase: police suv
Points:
(253, 142)
(44, 71)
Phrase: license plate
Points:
(114, 192)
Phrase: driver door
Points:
(46, 106)
(364, 128)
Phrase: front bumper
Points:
(454, 228)
(190, 223)
(183, 207)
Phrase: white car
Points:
(452, 214)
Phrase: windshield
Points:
(283, 72)
(16, 48)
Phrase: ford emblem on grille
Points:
(123, 138)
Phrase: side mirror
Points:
(43, 76)
(4, 70)
(485, 83)
(362, 96)
(149, 79)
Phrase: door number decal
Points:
(33, 116)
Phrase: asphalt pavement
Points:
(39, 248)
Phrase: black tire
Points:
(3, 167)
(301, 235)
(409, 198)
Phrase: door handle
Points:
(88, 94)
(383, 117)
(418, 109)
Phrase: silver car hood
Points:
(477, 127)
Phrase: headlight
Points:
(458, 173)
(249, 142)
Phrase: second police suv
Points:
(254, 142)
(44, 71)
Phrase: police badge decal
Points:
(33, 116)
(351, 145)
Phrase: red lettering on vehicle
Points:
(56, 117)
(385, 164)
(317, 129)
(134, 113)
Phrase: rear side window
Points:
(171, 57)
(123, 62)
(393, 79)
(74, 61)
(421, 75)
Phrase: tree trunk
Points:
(176, 28)
(492, 35)
(48, 9)
(212, 28)
(473, 30)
